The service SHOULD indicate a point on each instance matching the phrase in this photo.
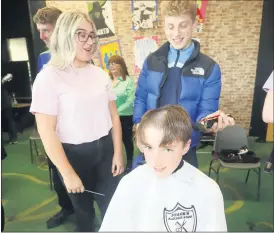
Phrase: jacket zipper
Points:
(165, 77)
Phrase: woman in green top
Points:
(124, 87)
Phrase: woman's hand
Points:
(73, 183)
(118, 166)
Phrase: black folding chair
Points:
(233, 138)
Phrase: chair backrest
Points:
(230, 138)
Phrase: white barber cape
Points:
(186, 201)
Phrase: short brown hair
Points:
(173, 120)
(179, 7)
(120, 61)
(47, 15)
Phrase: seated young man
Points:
(167, 193)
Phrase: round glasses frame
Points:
(94, 38)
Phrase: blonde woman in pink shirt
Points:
(77, 119)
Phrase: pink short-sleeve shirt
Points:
(79, 98)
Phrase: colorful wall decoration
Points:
(144, 14)
(101, 13)
(201, 12)
(143, 46)
(107, 50)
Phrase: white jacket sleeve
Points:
(214, 217)
(118, 215)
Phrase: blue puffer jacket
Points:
(200, 85)
(43, 59)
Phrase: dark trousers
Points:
(271, 157)
(3, 151)
(2, 218)
(191, 157)
(127, 137)
(7, 113)
(63, 198)
(92, 162)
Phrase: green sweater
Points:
(125, 92)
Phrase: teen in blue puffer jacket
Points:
(178, 73)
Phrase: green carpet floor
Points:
(29, 202)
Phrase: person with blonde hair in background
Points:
(77, 119)
(124, 88)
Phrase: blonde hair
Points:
(179, 7)
(172, 120)
(62, 44)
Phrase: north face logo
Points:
(198, 71)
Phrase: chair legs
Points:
(210, 168)
(246, 179)
(259, 184)
(31, 154)
(35, 147)
(259, 180)
(258, 171)
(216, 171)
(32, 143)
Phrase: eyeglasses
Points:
(112, 64)
(83, 37)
